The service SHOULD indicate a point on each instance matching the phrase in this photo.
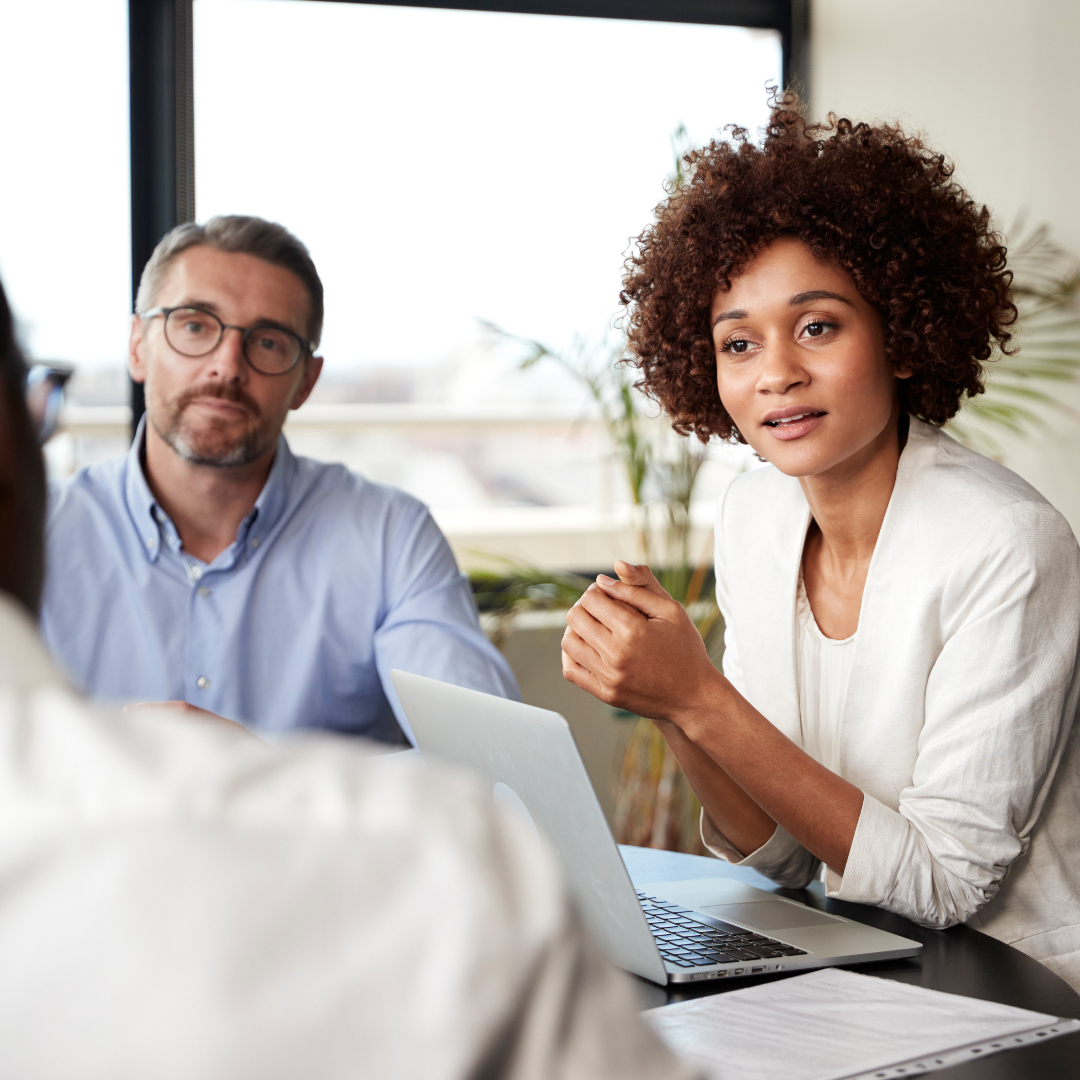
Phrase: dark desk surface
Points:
(958, 961)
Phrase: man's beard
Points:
(212, 445)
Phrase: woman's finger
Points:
(639, 597)
(614, 614)
(581, 676)
(587, 625)
(579, 650)
(634, 574)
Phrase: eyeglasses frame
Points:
(307, 348)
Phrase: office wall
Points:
(992, 84)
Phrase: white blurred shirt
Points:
(178, 899)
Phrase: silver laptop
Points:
(666, 931)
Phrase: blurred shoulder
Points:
(81, 765)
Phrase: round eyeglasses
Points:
(270, 350)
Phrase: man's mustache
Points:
(225, 391)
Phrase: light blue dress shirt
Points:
(331, 583)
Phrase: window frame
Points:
(161, 58)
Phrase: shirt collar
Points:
(273, 498)
(141, 504)
(153, 524)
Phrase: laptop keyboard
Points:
(688, 939)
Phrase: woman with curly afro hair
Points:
(901, 671)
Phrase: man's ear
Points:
(312, 371)
(136, 348)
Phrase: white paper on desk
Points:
(836, 1025)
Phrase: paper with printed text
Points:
(837, 1025)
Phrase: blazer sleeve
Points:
(1000, 701)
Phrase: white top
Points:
(182, 901)
(958, 724)
(824, 666)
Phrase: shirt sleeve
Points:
(430, 625)
(1000, 703)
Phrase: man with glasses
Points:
(212, 566)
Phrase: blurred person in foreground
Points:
(212, 566)
(179, 899)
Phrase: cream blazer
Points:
(958, 724)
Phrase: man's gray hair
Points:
(243, 236)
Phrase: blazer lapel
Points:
(786, 712)
(891, 580)
(763, 558)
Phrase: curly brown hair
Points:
(874, 200)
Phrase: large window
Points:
(64, 203)
(65, 208)
(447, 167)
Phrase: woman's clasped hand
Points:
(632, 646)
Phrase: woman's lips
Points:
(794, 427)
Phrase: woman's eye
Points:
(817, 329)
(736, 345)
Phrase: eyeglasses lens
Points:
(271, 351)
(192, 332)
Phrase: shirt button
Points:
(254, 541)
(202, 682)
(204, 591)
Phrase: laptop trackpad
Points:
(768, 914)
